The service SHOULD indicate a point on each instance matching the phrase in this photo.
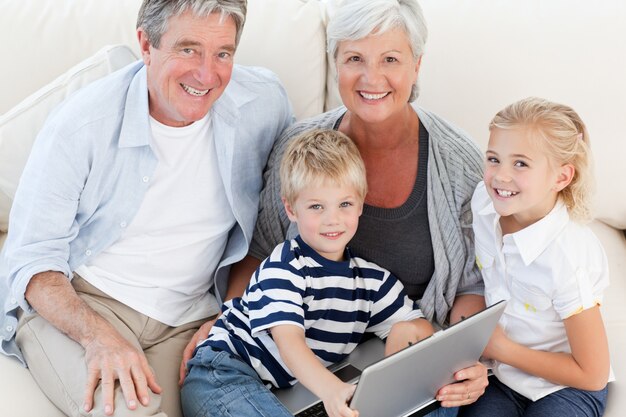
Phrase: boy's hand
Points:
(405, 333)
(308, 369)
(336, 398)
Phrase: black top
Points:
(389, 236)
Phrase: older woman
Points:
(421, 172)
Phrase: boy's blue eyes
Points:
(319, 206)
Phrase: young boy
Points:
(309, 303)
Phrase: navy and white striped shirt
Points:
(334, 302)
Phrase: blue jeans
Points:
(500, 400)
(220, 384)
(444, 412)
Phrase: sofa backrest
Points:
(44, 39)
(57, 41)
(483, 55)
(480, 56)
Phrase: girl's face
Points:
(522, 181)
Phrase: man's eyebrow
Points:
(184, 43)
(187, 43)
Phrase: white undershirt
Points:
(164, 262)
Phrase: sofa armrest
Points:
(614, 313)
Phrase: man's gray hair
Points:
(154, 14)
(357, 19)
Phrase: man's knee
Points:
(153, 409)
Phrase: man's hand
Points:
(201, 334)
(108, 355)
(110, 358)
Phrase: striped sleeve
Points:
(390, 305)
(275, 295)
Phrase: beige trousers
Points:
(57, 362)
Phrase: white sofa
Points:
(480, 56)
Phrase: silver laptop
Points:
(406, 382)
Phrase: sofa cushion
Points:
(20, 125)
(45, 38)
(299, 61)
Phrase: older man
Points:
(140, 192)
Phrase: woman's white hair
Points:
(357, 19)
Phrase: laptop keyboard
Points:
(316, 410)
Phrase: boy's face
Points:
(327, 216)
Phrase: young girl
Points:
(550, 350)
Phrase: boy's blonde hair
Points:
(319, 156)
(561, 133)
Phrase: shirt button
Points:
(123, 224)
(145, 179)
(9, 328)
(88, 252)
(13, 301)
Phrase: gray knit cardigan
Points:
(454, 169)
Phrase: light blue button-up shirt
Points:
(92, 163)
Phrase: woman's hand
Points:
(471, 385)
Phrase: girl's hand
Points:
(336, 400)
(497, 346)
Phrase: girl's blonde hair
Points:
(558, 130)
(319, 156)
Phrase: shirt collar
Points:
(234, 97)
(136, 120)
(137, 114)
(534, 239)
(489, 212)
